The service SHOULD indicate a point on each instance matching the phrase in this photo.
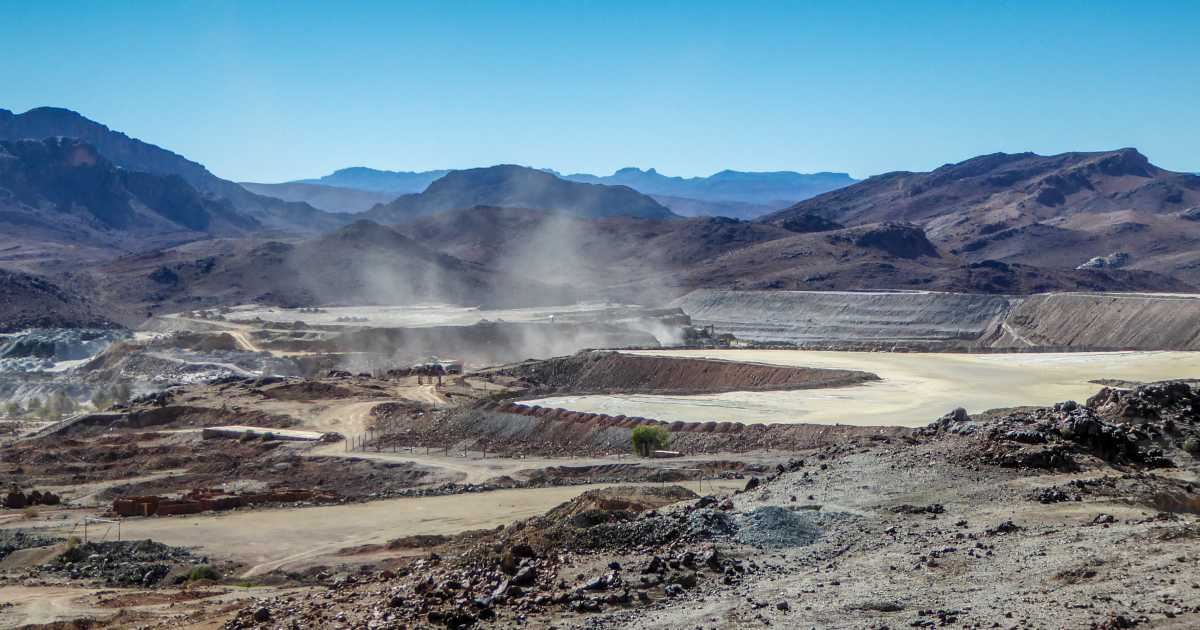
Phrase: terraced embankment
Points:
(1104, 321)
(612, 372)
(952, 321)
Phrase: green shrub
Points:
(203, 572)
(648, 439)
(1192, 445)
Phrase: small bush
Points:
(73, 542)
(648, 439)
(1192, 445)
(203, 572)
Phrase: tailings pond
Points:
(916, 388)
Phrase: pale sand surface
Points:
(284, 538)
(915, 390)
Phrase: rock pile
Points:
(141, 563)
(777, 527)
(1128, 426)
(15, 540)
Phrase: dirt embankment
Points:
(1104, 321)
(511, 429)
(952, 321)
(616, 373)
(181, 416)
(822, 319)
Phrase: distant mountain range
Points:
(513, 186)
(363, 178)
(766, 188)
(202, 202)
(727, 193)
(323, 197)
(62, 189)
(1056, 211)
(96, 226)
(135, 155)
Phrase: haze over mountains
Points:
(727, 193)
(520, 187)
(327, 198)
(98, 226)
(762, 188)
(363, 178)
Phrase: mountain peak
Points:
(514, 186)
(633, 170)
(134, 155)
(761, 188)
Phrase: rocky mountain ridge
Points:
(135, 155)
(64, 189)
(1057, 211)
(512, 186)
(764, 188)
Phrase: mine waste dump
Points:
(930, 321)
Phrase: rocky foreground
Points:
(1073, 516)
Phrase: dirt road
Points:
(243, 340)
(36, 605)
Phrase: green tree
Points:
(203, 572)
(13, 409)
(647, 439)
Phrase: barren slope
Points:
(1054, 211)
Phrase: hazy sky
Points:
(275, 91)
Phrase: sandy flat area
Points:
(915, 388)
(270, 539)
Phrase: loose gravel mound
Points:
(776, 527)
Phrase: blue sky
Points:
(274, 91)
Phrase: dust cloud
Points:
(526, 260)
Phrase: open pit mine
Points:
(731, 459)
